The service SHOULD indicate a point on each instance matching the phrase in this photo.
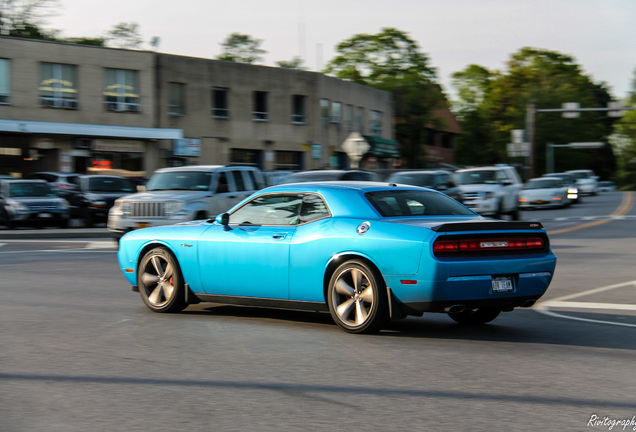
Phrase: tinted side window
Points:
(222, 183)
(313, 208)
(272, 209)
(238, 181)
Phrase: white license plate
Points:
(45, 215)
(502, 284)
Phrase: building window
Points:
(260, 106)
(5, 82)
(299, 110)
(347, 118)
(220, 106)
(324, 111)
(121, 90)
(58, 87)
(288, 160)
(358, 120)
(375, 123)
(336, 112)
(176, 99)
(246, 157)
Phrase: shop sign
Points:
(186, 147)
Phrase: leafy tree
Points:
(294, 63)
(392, 61)
(624, 142)
(23, 18)
(546, 79)
(241, 48)
(124, 35)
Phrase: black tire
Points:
(475, 316)
(160, 282)
(357, 298)
(514, 215)
(89, 221)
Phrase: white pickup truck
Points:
(182, 194)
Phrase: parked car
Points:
(544, 192)
(441, 180)
(330, 175)
(180, 194)
(59, 181)
(31, 202)
(573, 191)
(491, 191)
(94, 195)
(365, 252)
(586, 181)
(606, 186)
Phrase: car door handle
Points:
(279, 236)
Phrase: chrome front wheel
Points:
(357, 298)
(160, 282)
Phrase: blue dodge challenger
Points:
(366, 252)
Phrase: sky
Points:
(599, 34)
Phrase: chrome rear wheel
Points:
(357, 298)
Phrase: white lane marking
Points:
(563, 303)
(2, 244)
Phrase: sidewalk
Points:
(49, 233)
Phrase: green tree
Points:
(546, 79)
(624, 142)
(124, 35)
(473, 86)
(392, 61)
(294, 63)
(24, 18)
(241, 48)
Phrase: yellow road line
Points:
(626, 205)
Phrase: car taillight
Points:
(488, 244)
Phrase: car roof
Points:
(484, 168)
(19, 180)
(316, 187)
(425, 171)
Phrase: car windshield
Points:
(179, 180)
(423, 180)
(17, 190)
(406, 203)
(542, 184)
(579, 175)
(477, 177)
(110, 184)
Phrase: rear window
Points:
(406, 203)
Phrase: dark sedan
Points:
(94, 195)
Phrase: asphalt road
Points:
(79, 351)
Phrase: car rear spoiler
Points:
(487, 226)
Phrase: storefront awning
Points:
(88, 130)
(382, 147)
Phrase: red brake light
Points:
(488, 244)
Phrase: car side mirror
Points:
(223, 219)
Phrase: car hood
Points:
(167, 195)
(479, 187)
(37, 200)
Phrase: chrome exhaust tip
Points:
(455, 309)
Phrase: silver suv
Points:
(491, 191)
(182, 194)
